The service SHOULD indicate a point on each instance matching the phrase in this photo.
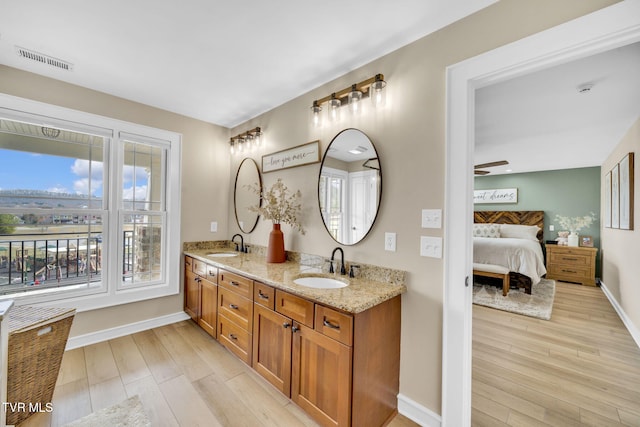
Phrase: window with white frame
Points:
(84, 207)
(332, 195)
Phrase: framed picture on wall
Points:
(606, 214)
(626, 192)
(615, 197)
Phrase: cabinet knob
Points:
(232, 283)
(286, 325)
(233, 337)
(263, 296)
(233, 306)
(294, 328)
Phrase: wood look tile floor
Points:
(183, 378)
(582, 367)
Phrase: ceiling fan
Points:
(477, 169)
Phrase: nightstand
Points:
(572, 264)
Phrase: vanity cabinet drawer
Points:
(238, 284)
(236, 339)
(188, 264)
(264, 295)
(199, 267)
(236, 308)
(334, 324)
(294, 307)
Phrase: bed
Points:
(511, 240)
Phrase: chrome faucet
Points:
(242, 249)
(343, 270)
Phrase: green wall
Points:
(567, 192)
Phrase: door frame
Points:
(606, 29)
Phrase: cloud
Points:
(81, 168)
(128, 173)
(140, 193)
(58, 188)
(81, 186)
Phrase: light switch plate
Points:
(214, 226)
(431, 218)
(431, 246)
(390, 242)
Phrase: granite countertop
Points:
(361, 294)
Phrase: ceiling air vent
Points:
(43, 59)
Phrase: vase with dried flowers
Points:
(281, 206)
(575, 224)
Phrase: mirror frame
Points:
(375, 217)
(235, 191)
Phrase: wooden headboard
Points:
(512, 217)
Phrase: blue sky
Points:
(20, 170)
(29, 171)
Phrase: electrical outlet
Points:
(552, 227)
(390, 242)
(431, 218)
(431, 246)
(214, 226)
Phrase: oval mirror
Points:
(243, 198)
(349, 187)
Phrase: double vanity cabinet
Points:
(341, 367)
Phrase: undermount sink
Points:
(320, 282)
(222, 254)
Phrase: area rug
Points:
(129, 413)
(538, 304)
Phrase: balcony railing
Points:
(54, 262)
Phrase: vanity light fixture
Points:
(373, 88)
(246, 141)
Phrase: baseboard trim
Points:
(633, 330)
(120, 331)
(418, 413)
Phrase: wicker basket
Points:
(37, 339)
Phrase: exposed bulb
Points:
(354, 99)
(334, 108)
(377, 91)
(315, 114)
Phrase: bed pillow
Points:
(486, 230)
(529, 232)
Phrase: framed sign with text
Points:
(500, 195)
(292, 157)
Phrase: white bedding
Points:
(520, 255)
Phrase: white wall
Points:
(620, 248)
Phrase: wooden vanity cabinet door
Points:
(192, 294)
(321, 376)
(272, 347)
(208, 303)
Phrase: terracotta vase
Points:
(275, 250)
